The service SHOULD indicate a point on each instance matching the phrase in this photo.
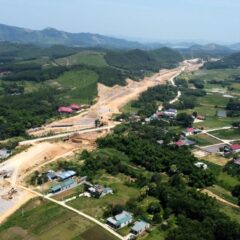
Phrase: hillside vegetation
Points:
(15, 51)
(232, 61)
(144, 60)
(70, 75)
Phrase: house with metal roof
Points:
(121, 220)
(140, 227)
(69, 183)
(51, 175)
(66, 174)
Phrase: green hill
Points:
(144, 60)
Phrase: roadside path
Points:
(213, 195)
(179, 93)
(41, 139)
(62, 204)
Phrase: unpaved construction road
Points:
(110, 101)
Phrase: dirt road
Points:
(211, 194)
(110, 100)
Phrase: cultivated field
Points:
(41, 220)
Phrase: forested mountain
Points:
(232, 61)
(51, 36)
(235, 46)
(203, 51)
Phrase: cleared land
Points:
(216, 159)
(81, 86)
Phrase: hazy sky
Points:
(212, 20)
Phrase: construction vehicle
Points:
(11, 193)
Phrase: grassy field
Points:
(230, 134)
(85, 57)
(41, 220)
(223, 179)
(232, 212)
(214, 99)
(227, 181)
(216, 74)
(96, 207)
(204, 139)
(212, 120)
(155, 234)
(80, 86)
(129, 109)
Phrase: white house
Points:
(121, 220)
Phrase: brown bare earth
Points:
(110, 100)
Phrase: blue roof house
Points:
(140, 227)
(121, 220)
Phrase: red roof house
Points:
(190, 130)
(235, 147)
(75, 107)
(180, 143)
(65, 110)
(200, 117)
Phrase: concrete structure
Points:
(237, 161)
(5, 153)
(140, 227)
(222, 113)
(121, 220)
(201, 165)
(99, 191)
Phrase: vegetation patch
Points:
(79, 86)
(229, 134)
(204, 139)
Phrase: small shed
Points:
(140, 227)
(222, 113)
